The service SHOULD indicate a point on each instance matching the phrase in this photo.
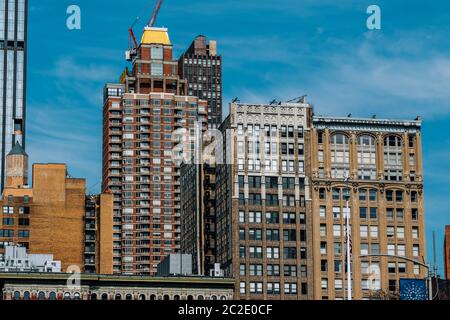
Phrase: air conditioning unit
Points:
(216, 272)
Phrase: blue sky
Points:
(271, 49)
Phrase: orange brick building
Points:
(49, 218)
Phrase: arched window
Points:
(104, 296)
(200, 297)
(223, 298)
(367, 164)
(166, 297)
(176, 297)
(94, 296)
(142, 297)
(189, 297)
(118, 296)
(67, 296)
(52, 296)
(393, 166)
(213, 298)
(16, 295)
(340, 156)
(128, 297)
(152, 297)
(26, 295)
(76, 296)
(41, 295)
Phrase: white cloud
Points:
(68, 68)
(374, 76)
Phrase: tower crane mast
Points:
(132, 51)
(154, 16)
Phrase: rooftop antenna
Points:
(434, 254)
(274, 101)
(301, 99)
(349, 115)
(235, 100)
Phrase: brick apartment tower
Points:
(379, 162)
(201, 66)
(140, 116)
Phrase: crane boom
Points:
(130, 31)
(152, 20)
(132, 51)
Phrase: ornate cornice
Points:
(366, 124)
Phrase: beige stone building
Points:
(380, 163)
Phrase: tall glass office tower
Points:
(13, 35)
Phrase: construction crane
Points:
(132, 51)
(152, 20)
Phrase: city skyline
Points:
(98, 47)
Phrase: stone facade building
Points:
(15, 286)
(379, 162)
(262, 189)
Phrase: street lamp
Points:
(427, 266)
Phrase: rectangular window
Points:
(157, 53)
(323, 248)
(336, 212)
(337, 230)
(324, 284)
(374, 232)
(242, 287)
(364, 248)
(241, 217)
(363, 213)
(323, 230)
(373, 213)
(414, 214)
(401, 250)
(400, 232)
(415, 233)
(322, 212)
(338, 266)
(242, 269)
(338, 284)
(416, 250)
(156, 69)
(363, 231)
(322, 194)
(391, 249)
